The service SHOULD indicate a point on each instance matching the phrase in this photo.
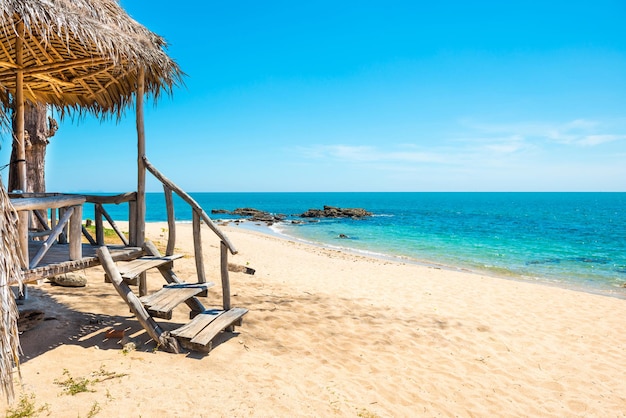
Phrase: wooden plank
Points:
(167, 299)
(223, 321)
(197, 324)
(133, 268)
(116, 199)
(168, 274)
(56, 261)
(160, 296)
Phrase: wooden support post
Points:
(53, 217)
(22, 226)
(225, 281)
(132, 223)
(197, 246)
(154, 330)
(141, 168)
(171, 220)
(99, 224)
(18, 136)
(225, 276)
(75, 233)
(140, 234)
(63, 234)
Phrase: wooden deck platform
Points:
(56, 259)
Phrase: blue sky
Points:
(372, 96)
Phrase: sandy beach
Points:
(333, 334)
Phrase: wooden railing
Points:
(198, 216)
(101, 214)
(68, 224)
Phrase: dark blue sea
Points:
(574, 240)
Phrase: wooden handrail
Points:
(194, 205)
(115, 199)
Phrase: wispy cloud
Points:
(577, 132)
(365, 154)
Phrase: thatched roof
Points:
(86, 56)
(82, 55)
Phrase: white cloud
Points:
(577, 132)
(593, 140)
(365, 154)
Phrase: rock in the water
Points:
(70, 280)
(334, 212)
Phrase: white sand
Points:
(335, 334)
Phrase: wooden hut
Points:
(89, 56)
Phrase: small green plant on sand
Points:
(95, 410)
(364, 413)
(26, 408)
(72, 386)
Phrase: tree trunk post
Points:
(141, 169)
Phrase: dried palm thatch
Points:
(10, 273)
(80, 55)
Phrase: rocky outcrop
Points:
(252, 214)
(257, 215)
(334, 212)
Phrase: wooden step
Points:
(161, 303)
(200, 332)
(131, 269)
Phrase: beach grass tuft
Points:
(73, 386)
(26, 407)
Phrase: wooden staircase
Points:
(205, 324)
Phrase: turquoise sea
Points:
(574, 240)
